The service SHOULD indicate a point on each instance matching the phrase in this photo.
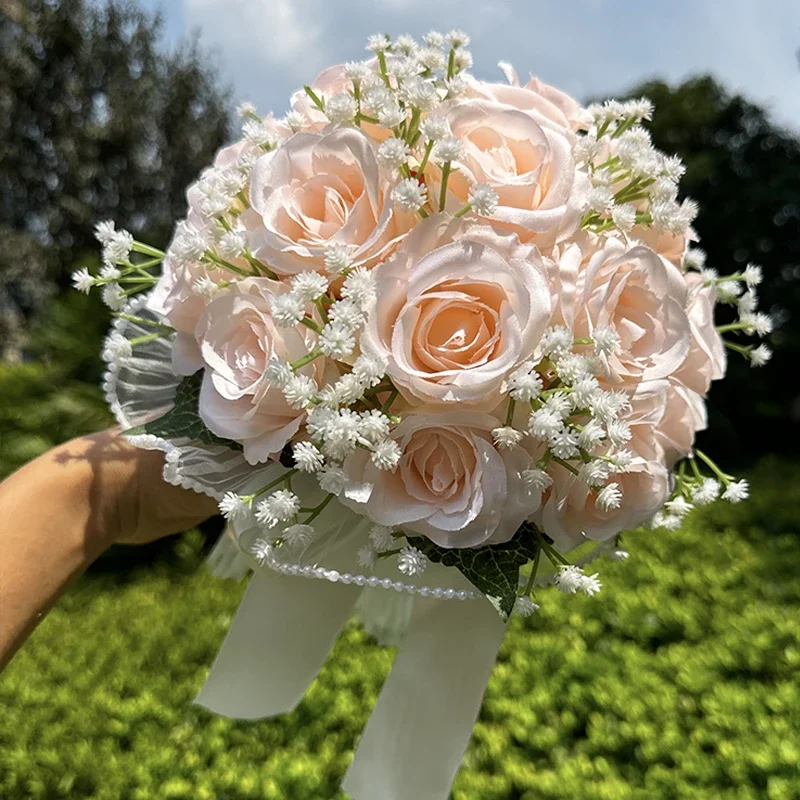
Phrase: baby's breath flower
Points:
(601, 199)
(298, 536)
(386, 454)
(695, 258)
(116, 348)
(278, 507)
(233, 508)
(557, 341)
(506, 437)
(113, 296)
(287, 310)
(278, 372)
(447, 149)
(381, 537)
(680, 507)
(544, 424)
(435, 128)
(379, 43)
(82, 280)
(483, 199)
(594, 473)
(411, 561)
(525, 607)
(370, 368)
(536, 479)
(332, 480)
(341, 108)
(104, 231)
(307, 457)
(232, 244)
(366, 557)
(609, 497)
(624, 217)
(337, 340)
(245, 109)
(760, 355)
(524, 383)
(308, 286)
(338, 258)
(299, 391)
(606, 340)
(410, 195)
(752, 275)
(736, 491)
(393, 152)
(564, 443)
(706, 492)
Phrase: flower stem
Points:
(443, 193)
(145, 249)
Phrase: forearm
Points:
(52, 525)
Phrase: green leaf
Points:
(183, 421)
(492, 569)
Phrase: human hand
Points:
(63, 509)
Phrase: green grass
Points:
(682, 680)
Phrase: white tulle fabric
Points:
(297, 603)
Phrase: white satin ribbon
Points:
(415, 739)
(280, 637)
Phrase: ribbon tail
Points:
(277, 643)
(415, 739)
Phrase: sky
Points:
(589, 48)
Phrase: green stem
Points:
(451, 63)
(141, 321)
(319, 509)
(425, 157)
(510, 411)
(384, 71)
(461, 212)
(286, 476)
(713, 467)
(306, 359)
(309, 323)
(443, 193)
(145, 249)
(388, 404)
(565, 464)
(532, 577)
(314, 98)
(150, 337)
(260, 266)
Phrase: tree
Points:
(97, 121)
(745, 173)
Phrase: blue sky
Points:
(267, 48)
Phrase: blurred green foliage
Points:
(681, 681)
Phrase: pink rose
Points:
(705, 362)
(175, 296)
(684, 415)
(528, 164)
(319, 189)
(459, 307)
(327, 84)
(632, 291)
(451, 484)
(571, 515)
(237, 338)
(548, 105)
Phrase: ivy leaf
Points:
(183, 421)
(492, 569)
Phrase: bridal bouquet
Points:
(439, 338)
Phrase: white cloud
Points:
(586, 47)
